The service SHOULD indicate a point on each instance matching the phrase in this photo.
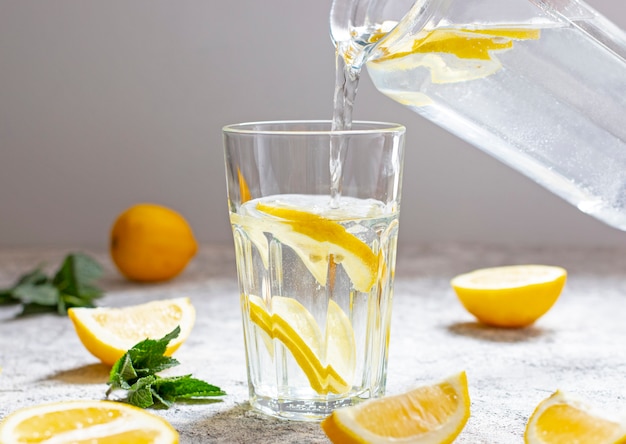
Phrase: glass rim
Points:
(370, 127)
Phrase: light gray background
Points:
(106, 103)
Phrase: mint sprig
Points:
(71, 286)
(135, 376)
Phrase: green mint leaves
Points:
(135, 374)
(71, 286)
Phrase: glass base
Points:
(299, 410)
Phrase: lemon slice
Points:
(511, 296)
(86, 421)
(340, 344)
(476, 44)
(560, 419)
(244, 189)
(453, 55)
(316, 238)
(430, 414)
(109, 332)
(444, 68)
(254, 230)
(292, 324)
(307, 249)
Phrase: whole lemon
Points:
(151, 243)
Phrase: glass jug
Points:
(538, 84)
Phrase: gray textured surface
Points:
(578, 346)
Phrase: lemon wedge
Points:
(96, 422)
(293, 325)
(560, 419)
(511, 296)
(316, 238)
(431, 414)
(107, 333)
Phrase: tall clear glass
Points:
(538, 84)
(316, 250)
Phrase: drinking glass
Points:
(314, 214)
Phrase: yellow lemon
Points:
(560, 419)
(292, 324)
(511, 296)
(107, 333)
(431, 414)
(96, 422)
(151, 243)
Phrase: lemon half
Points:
(511, 296)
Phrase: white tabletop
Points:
(577, 347)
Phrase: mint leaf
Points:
(35, 277)
(32, 278)
(43, 294)
(6, 297)
(76, 273)
(177, 387)
(75, 282)
(135, 374)
(148, 356)
(140, 393)
(121, 372)
(71, 286)
(162, 400)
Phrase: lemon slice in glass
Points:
(316, 238)
(293, 325)
(340, 344)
